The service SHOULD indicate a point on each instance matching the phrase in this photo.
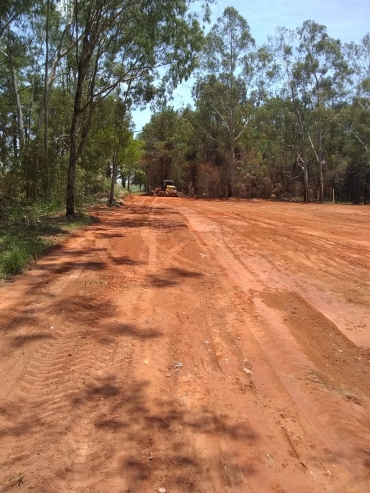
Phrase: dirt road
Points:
(197, 346)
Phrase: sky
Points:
(347, 20)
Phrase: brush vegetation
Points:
(27, 232)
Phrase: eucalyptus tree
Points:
(23, 49)
(322, 74)
(123, 43)
(356, 121)
(225, 81)
(312, 73)
(15, 49)
(14, 12)
(54, 30)
(14, 40)
(358, 56)
(110, 134)
(274, 145)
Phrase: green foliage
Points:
(170, 146)
(14, 259)
(27, 232)
(229, 84)
(267, 119)
(303, 125)
(58, 66)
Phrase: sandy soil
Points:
(198, 346)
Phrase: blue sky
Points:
(345, 20)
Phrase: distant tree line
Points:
(289, 119)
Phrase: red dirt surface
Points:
(198, 346)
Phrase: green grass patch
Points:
(28, 232)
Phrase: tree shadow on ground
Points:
(126, 261)
(177, 272)
(170, 277)
(161, 429)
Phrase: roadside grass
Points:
(28, 232)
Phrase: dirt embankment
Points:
(198, 346)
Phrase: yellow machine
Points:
(167, 189)
(171, 191)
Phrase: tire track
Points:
(285, 355)
(154, 368)
(53, 365)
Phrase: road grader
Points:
(167, 189)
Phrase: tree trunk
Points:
(355, 194)
(304, 160)
(14, 132)
(320, 162)
(70, 202)
(232, 159)
(367, 188)
(75, 148)
(231, 184)
(114, 177)
(46, 127)
(20, 123)
(305, 181)
(51, 76)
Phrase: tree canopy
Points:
(289, 119)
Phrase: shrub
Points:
(14, 260)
